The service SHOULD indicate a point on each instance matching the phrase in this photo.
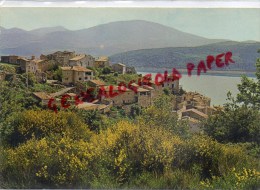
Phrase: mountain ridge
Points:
(104, 39)
(244, 55)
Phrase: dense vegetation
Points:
(149, 148)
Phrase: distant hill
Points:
(47, 30)
(105, 39)
(244, 55)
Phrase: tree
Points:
(93, 119)
(161, 114)
(30, 77)
(166, 91)
(135, 111)
(106, 70)
(249, 89)
(237, 124)
(239, 121)
(14, 97)
(57, 74)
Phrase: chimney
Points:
(33, 57)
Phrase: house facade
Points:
(82, 60)
(24, 64)
(9, 59)
(119, 67)
(60, 57)
(96, 83)
(123, 98)
(102, 61)
(74, 74)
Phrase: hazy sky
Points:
(235, 24)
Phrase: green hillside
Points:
(244, 55)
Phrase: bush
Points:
(106, 70)
(39, 124)
(240, 124)
(126, 149)
(177, 179)
(208, 157)
(123, 155)
(47, 163)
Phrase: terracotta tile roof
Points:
(78, 57)
(42, 95)
(79, 68)
(148, 87)
(22, 58)
(91, 106)
(135, 85)
(61, 92)
(197, 112)
(72, 94)
(142, 90)
(121, 64)
(76, 68)
(115, 88)
(102, 58)
(98, 82)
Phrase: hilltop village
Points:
(73, 73)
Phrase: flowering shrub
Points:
(57, 163)
(125, 155)
(39, 124)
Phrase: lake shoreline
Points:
(233, 73)
(214, 86)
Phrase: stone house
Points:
(151, 89)
(158, 89)
(9, 59)
(32, 65)
(195, 114)
(195, 99)
(130, 70)
(206, 109)
(35, 66)
(102, 61)
(123, 98)
(119, 67)
(144, 97)
(172, 84)
(73, 74)
(82, 60)
(24, 64)
(42, 97)
(45, 65)
(61, 58)
(96, 83)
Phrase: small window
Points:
(79, 78)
